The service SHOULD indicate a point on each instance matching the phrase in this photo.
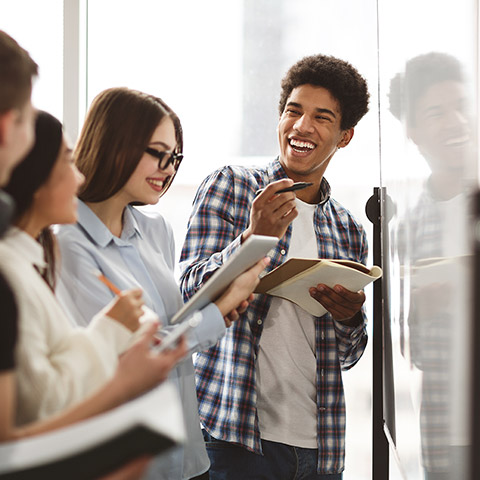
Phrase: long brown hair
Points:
(117, 129)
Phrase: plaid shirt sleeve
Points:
(351, 341)
(213, 233)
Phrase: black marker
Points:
(291, 188)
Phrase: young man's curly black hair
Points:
(340, 78)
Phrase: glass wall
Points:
(428, 62)
(38, 27)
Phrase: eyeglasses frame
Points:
(173, 158)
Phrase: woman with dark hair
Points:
(57, 366)
(129, 150)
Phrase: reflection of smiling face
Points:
(309, 132)
(442, 128)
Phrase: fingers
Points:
(127, 308)
(279, 203)
(274, 209)
(271, 212)
(140, 368)
(134, 292)
(134, 297)
(174, 355)
(253, 273)
(242, 286)
(270, 190)
(244, 305)
(230, 318)
(233, 316)
(340, 302)
(258, 268)
(148, 335)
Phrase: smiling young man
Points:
(270, 392)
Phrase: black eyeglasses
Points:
(166, 158)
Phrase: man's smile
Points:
(301, 146)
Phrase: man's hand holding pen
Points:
(272, 211)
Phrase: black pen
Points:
(291, 188)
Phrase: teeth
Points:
(157, 183)
(300, 144)
(458, 140)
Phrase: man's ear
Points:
(7, 120)
(347, 135)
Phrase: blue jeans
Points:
(279, 462)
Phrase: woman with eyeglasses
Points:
(129, 151)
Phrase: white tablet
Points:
(254, 248)
(171, 338)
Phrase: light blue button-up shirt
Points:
(142, 257)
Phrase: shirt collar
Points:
(325, 192)
(26, 246)
(276, 171)
(130, 225)
(98, 231)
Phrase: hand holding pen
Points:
(271, 213)
(292, 188)
(127, 307)
(172, 340)
(138, 370)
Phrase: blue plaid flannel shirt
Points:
(225, 374)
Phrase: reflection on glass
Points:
(431, 98)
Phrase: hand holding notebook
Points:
(293, 279)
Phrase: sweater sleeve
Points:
(58, 365)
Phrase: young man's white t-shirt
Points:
(286, 363)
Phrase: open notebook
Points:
(149, 424)
(292, 279)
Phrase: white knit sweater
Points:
(57, 364)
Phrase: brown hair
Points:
(118, 128)
(16, 72)
(340, 78)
